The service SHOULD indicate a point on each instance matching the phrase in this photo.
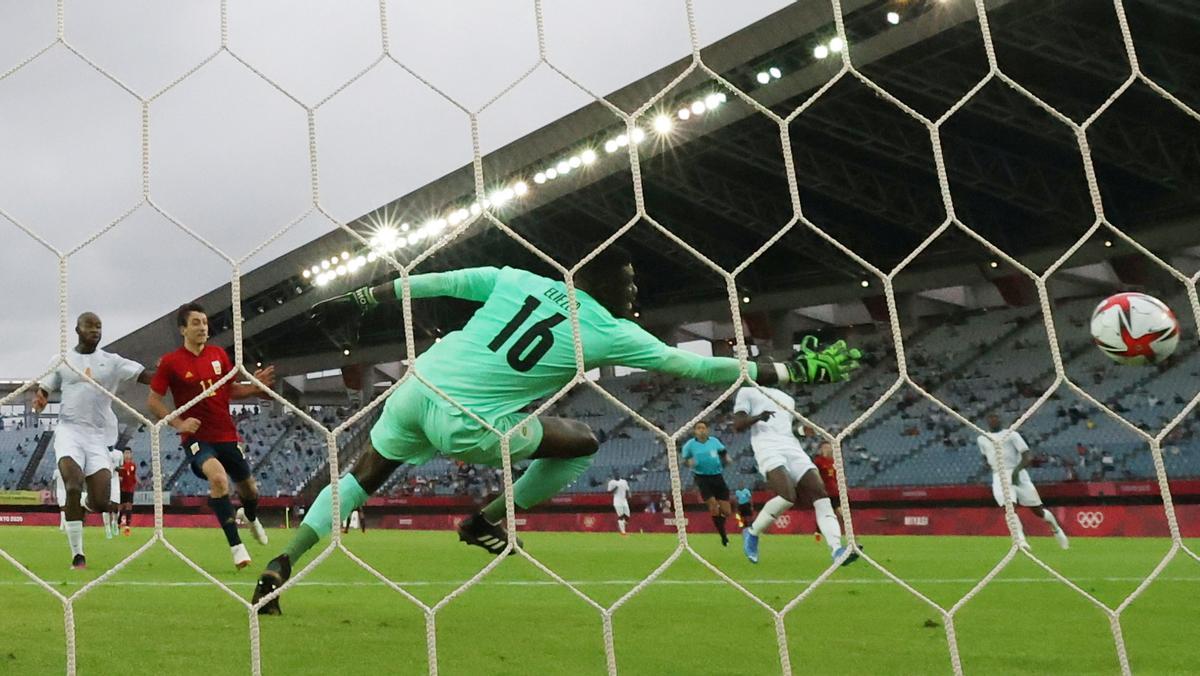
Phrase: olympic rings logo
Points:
(1089, 519)
(783, 520)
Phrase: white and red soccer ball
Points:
(1135, 329)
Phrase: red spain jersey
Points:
(128, 473)
(187, 375)
(828, 473)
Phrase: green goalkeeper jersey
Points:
(519, 346)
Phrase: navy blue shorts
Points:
(228, 453)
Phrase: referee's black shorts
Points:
(712, 486)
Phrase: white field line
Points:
(552, 583)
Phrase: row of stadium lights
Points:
(662, 125)
(834, 46)
(390, 238)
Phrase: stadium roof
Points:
(865, 170)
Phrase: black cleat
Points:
(278, 571)
(79, 562)
(475, 530)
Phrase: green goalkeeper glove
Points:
(339, 317)
(830, 365)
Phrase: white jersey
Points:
(83, 405)
(1010, 449)
(620, 490)
(775, 444)
(117, 459)
(774, 434)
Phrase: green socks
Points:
(318, 522)
(544, 479)
(305, 539)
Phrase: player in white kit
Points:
(60, 499)
(620, 490)
(1016, 456)
(109, 518)
(87, 426)
(789, 472)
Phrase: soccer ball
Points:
(1135, 329)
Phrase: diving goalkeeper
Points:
(517, 348)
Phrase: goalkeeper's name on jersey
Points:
(560, 298)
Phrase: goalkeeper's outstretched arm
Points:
(339, 317)
(637, 348)
(469, 284)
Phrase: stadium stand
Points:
(977, 362)
(16, 448)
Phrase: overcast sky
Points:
(229, 154)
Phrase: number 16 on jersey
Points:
(534, 343)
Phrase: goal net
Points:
(842, 49)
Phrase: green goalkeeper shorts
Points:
(416, 425)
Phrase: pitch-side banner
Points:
(147, 497)
(20, 497)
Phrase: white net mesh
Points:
(635, 123)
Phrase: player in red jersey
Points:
(828, 471)
(128, 476)
(206, 428)
(824, 462)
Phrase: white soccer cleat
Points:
(256, 527)
(241, 557)
(260, 533)
(1061, 537)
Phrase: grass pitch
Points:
(158, 616)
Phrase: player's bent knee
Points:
(583, 440)
(582, 445)
(218, 485)
(371, 469)
(248, 489)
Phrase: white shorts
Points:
(795, 461)
(115, 492)
(1026, 494)
(88, 448)
(622, 507)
